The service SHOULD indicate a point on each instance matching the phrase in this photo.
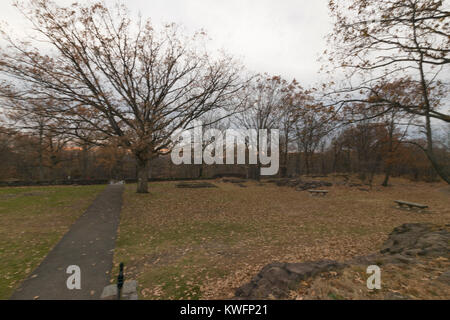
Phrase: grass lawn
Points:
(204, 243)
(32, 220)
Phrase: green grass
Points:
(32, 220)
(335, 296)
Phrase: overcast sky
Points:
(278, 37)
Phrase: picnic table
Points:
(318, 192)
(410, 205)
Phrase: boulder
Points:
(422, 239)
(276, 279)
(445, 278)
(404, 244)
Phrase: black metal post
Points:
(120, 280)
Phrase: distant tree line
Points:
(104, 94)
(361, 149)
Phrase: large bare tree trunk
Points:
(41, 151)
(390, 151)
(307, 162)
(142, 173)
(298, 164)
(284, 172)
(84, 161)
(387, 176)
(258, 165)
(200, 171)
(440, 170)
(258, 171)
(429, 151)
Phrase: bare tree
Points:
(395, 41)
(121, 79)
(33, 117)
(294, 100)
(314, 123)
(264, 102)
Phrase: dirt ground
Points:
(205, 243)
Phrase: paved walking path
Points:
(89, 244)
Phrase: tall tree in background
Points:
(314, 123)
(264, 101)
(30, 117)
(393, 40)
(396, 121)
(33, 117)
(294, 101)
(121, 79)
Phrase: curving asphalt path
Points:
(89, 244)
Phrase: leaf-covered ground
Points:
(420, 280)
(32, 220)
(204, 243)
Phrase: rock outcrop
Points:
(405, 243)
(276, 279)
(195, 185)
(301, 185)
(418, 239)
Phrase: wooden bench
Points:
(318, 192)
(410, 205)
